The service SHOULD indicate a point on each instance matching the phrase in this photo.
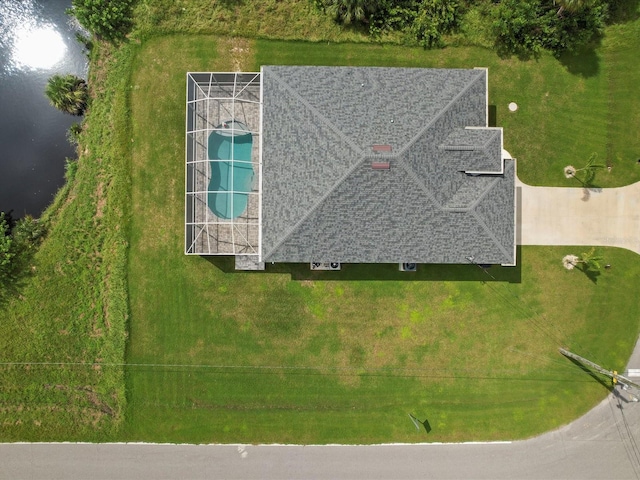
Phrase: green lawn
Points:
(215, 355)
(293, 356)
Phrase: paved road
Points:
(601, 445)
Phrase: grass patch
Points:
(216, 356)
(71, 315)
(290, 19)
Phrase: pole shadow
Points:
(425, 423)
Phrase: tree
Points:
(590, 260)
(588, 263)
(67, 93)
(520, 27)
(107, 19)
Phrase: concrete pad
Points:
(633, 367)
(579, 216)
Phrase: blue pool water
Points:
(231, 177)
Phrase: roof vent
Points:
(382, 148)
(459, 148)
(380, 165)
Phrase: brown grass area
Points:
(235, 54)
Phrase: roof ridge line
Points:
(490, 233)
(316, 205)
(481, 222)
(422, 186)
(495, 131)
(439, 114)
(486, 144)
(331, 126)
(315, 111)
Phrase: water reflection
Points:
(37, 47)
(37, 40)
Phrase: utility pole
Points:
(615, 376)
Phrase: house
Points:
(347, 165)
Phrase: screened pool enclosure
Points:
(223, 167)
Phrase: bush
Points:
(7, 253)
(107, 19)
(520, 28)
(18, 242)
(73, 133)
(433, 19)
(527, 27)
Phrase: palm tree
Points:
(590, 170)
(572, 6)
(67, 93)
(589, 261)
(351, 11)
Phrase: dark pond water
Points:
(37, 40)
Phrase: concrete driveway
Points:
(579, 216)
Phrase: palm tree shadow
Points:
(590, 273)
(427, 425)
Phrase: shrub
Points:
(433, 19)
(526, 27)
(73, 133)
(18, 242)
(107, 19)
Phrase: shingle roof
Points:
(323, 201)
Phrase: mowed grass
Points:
(287, 355)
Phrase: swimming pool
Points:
(231, 170)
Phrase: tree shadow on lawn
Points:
(584, 63)
(386, 271)
(623, 11)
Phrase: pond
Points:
(37, 40)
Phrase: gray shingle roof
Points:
(323, 201)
